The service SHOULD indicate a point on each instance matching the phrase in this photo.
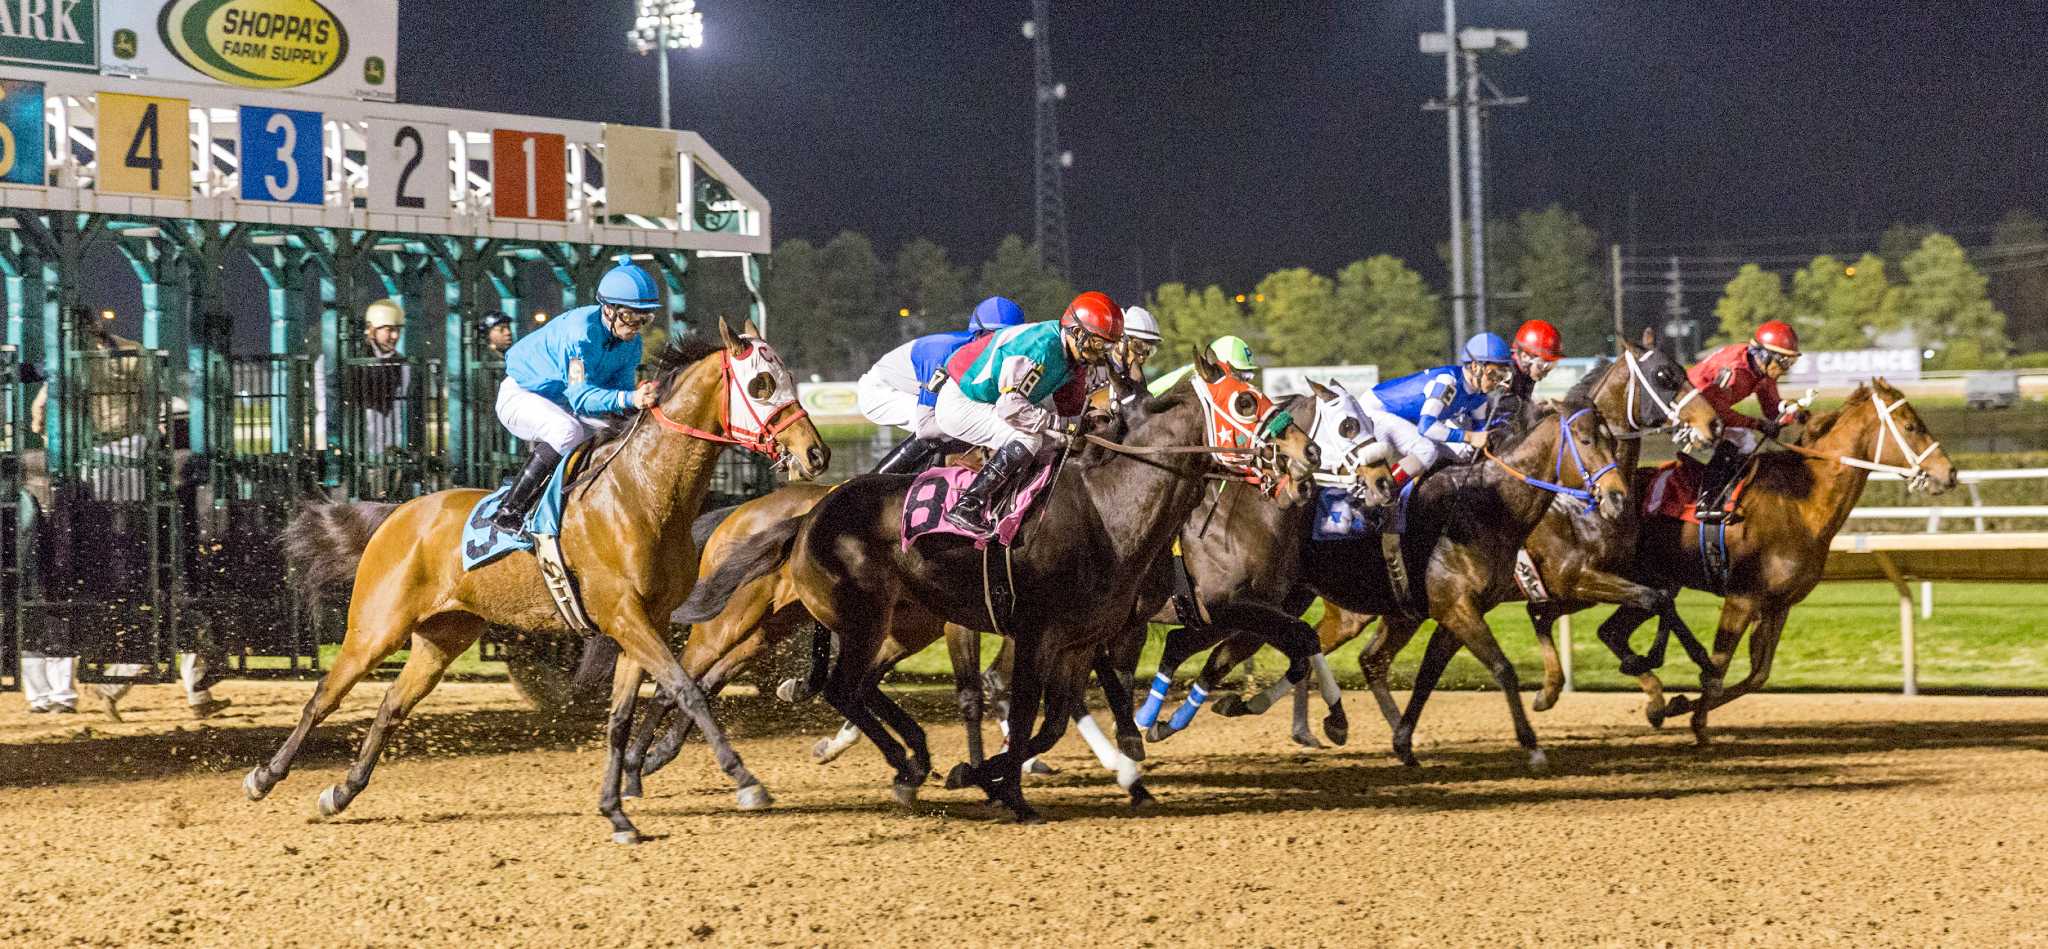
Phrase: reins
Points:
(1912, 472)
(1564, 441)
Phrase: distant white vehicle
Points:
(1992, 390)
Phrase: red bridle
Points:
(760, 438)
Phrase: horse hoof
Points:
(1679, 705)
(1160, 731)
(1305, 739)
(1544, 702)
(1655, 715)
(1133, 747)
(625, 836)
(961, 776)
(1539, 763)
(1407, 756)
(906, 794)
(1338, 730)
(331, 802)
(1700, 738)
(1030, 818)
(824, 752)
(254, 786)
(754, 797)
(1230, 705)
(1039, 768)
(793, 691)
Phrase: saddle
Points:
(1674, 490)
(934, 492)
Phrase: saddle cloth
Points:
(1674, 490)
(937, 489)
(1339, 516)
(483, 542)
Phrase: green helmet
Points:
(1234, 352)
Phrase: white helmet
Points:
(385, 312)
(1139, 324)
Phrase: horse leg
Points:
(1207, 682)
(1299, 643)
(963, 647)
(1002, 776)
(618, 733)
(1763, 648)
(1737, 614)
(646, 722)
(904, 725)
(1614, 634)
(1116, 672)
(1435, 656)
(1543, 616)
(1181, 643)
(1470, 626)
(641, 641)
(1377, 658)
(1117, 691)
(801, 690)
(435, 643)
(364, 647)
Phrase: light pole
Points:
(1472, 94)
(663, 25)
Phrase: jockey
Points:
(1427, 414)
(1000, 401)
(1230, 351)
(575, 366)
(1141, 340)
(1727, 376)
(903, 387)
(1536, 351)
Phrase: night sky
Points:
(1219, 141)
(1215, 142)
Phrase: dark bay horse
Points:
(1464, 526)
(625, 533)
(1078, 567)
(1791, 511)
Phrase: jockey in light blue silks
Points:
(902, 389)
(560, 378)
(1440, 414)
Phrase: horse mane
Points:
(1820, 424)
(1582, 390)
(681, 353)
(1120, 425)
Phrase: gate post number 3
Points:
(280, 156)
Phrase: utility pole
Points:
(1458, 321)
(663, 25)
(1048, 194)
(1620, 334)
(1471, 97)
(1676, 326)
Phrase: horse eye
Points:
(762, 386)
(1244, 405)
(1347, 429)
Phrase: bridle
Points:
(1641, 380)
(1246, 427)
(1555, 485)
(765, 419)
(1350, 455)
(1888, 430)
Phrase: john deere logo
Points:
(266, 44)
(125, 45)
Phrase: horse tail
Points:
(701, 528)
(749, 560)
(324, 542)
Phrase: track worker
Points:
(575, 368)
(1440, 414)
(1230, 351)
(902, 389)
(1727, 376)
(1001, 402)
(496, 329)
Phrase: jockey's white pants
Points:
(978, 423)
(536, 418)
(886, 405)
(1746, 440)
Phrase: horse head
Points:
(1878, 430)
(1658, 394)
(1349, 452)
(1267, 442)
(1581, 462)
(755, 399)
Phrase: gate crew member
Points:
(1435, 413)
(902, 390)
(1727, 376)
(496, 329)
(1231, 351)
(1000, 403)
(575, 367)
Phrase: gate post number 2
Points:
(145, 146)
(280, 156)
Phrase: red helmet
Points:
(1778, 337)
(1095, 312)
(1539, 339)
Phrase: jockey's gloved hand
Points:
(1771, 428)
(927, 426)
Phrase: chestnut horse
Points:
(625, 531)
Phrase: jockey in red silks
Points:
(1727, 376)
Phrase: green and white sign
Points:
(50, 34)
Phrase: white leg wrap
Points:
(1127, 771)
(1326, 680)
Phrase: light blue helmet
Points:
(629, 286)
(996, 313)
(1486, 347)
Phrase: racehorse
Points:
(626, 532)
(1790, 511)
(1581, 561)
(1464, 525)
(1077, 567)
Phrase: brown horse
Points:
(625, 532)
(1791, 510)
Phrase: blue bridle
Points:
(1586, 477)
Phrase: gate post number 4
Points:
(527, 175)
(145, 146)
(280, 156)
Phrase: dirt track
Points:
(1815, 818)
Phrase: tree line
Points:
(836, 307)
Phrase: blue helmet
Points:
(996, 313)
(1486, 347)
(629, 286)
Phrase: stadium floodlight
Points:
(663, 25)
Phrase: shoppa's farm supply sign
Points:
(343, 48)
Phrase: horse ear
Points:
(1322, 392)
(1649, 337)
(1209, 371)
(750, 329)
(733, 344)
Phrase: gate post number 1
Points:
(145, 146)
(527, 175)
(280, 156)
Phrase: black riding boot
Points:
(971, 512)
(910, 456)
(1715, 482)
(526, 489)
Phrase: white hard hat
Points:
(1139, 323)
(385, 312)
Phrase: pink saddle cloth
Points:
(937, 489)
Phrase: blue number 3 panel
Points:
(281, 155)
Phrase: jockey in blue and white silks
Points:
(902, 389)
(576, 366)
(1440, 414)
